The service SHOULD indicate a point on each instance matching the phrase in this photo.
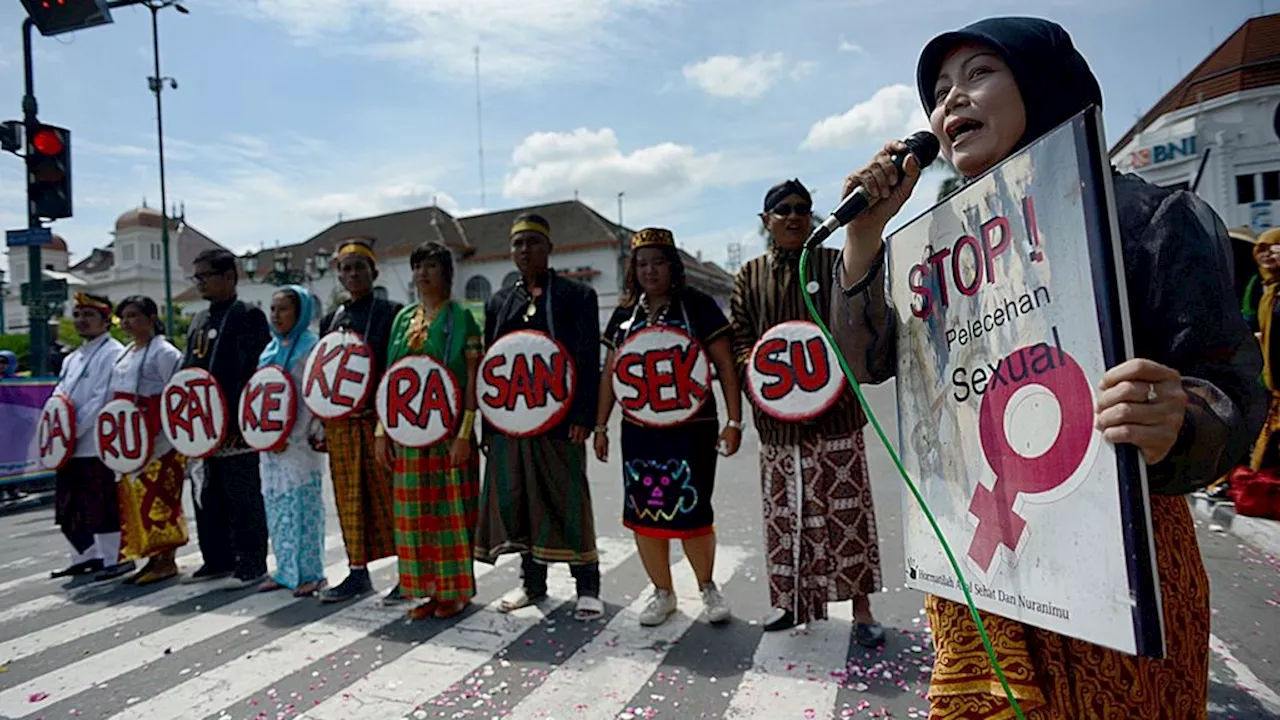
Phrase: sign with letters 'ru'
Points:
(1010, 310)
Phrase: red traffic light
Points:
(47, 142)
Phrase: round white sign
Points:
(125, 441)
(268, 409)
(793, 374)
(57, 431)
(526, 383)
(193, 413)
(338, 375)
(661, 376)
(418, 401)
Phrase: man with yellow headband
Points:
(362, 487)
(85, 504)
(552, 518)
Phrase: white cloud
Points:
(733, 76)
(519, 41)
(892, 112)
(849, 47)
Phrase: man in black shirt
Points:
(362, 488)
(226, 340)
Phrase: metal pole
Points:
(2, 293)
(37, 331)
(158, 86)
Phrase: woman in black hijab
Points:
(1190, 401)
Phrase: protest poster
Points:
(21, 402)
(526, 383)
(1011, 306)
(661, 377)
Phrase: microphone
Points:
(923, 145)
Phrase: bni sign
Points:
(1162, 153)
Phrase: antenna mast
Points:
(480, 129)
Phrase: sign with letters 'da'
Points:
(56, 433)
(125, 441)
(661, 376)
(268, 409)
(793, 375)
(338, 375)
(526, 383)
(1011, 306)
(193, 413)
(419, 401)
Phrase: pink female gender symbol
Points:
(1017, 474)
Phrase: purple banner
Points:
(21, 400)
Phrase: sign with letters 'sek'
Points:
(1011, 307)
(661, 376)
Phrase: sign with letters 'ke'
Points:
(1010, 310)
(338, 375)
(268, 409)
(125, 441)
(193, 413)
(793, 374)
(56, 433)
(526, 384)
(418, 401)
(661, 376)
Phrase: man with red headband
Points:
(85, 504)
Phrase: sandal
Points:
(516, 599)
(269, 585)
(422, 611)
(588, 608)
(450, 609)
(307, 589)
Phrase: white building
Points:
(588, 247)
(55, 258)
(1217, 133)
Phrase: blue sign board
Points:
(30, 236)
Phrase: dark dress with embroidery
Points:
(668, 474)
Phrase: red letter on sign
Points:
(658, 379)
(687, 388)
(635, 381)
(346, 374)
(132, 431)
(402, 387)
(271, 402)
(435, 400)
(108, 431)
(550, 378)
(766, 364)
(810, 380)
(498, 397)
(175, 405)
(251, 419)
(317, 371)
(54, 430)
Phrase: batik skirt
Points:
(84, 502)
(1055, 677)
(436, 505)
(361, 490)
(536, 500)
(822, 486)
(668, 475)
(152, 521)
(295, 522)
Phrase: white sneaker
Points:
(713, 602)
(661, 606)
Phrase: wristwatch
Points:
(734, 424)
(601, 430)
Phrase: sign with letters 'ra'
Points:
(1011, 307)
(419, 401)
(526, 383)
(661, 376)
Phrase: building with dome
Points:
(131, 264)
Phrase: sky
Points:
(292, 113)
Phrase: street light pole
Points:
(157, 86)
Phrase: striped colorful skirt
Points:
(361, 490)
(151, 517)
(1055, 677)
(536, 500)
(436, 505)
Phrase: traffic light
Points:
(54, 17)
(49, 171)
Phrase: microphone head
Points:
(924, 146)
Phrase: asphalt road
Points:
(75, 649)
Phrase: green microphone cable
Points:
(915, 492)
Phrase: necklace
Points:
(649, 314)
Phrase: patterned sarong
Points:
(436, 506)
(84, 502)
(838, 556)
(295, 521)
(1056, 677)
(151, 517)
(536, 500)
(361, 490)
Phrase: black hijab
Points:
(1053, 77)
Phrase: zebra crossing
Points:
(195, 652)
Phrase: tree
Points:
(951, 183)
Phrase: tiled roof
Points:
(1249, 59)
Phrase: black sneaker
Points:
(778, 620)
(394, 597)
(869, 635)
(356, 584)
(87, 567)
(205, 574)
(111, 572)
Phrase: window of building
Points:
(511, 279)
(1271, 185)
(478, 288)
(1245, 192)
(156, 254)
(126, 253)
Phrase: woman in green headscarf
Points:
(437, 489)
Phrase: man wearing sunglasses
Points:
(834, 556)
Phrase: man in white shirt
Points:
(85, 501)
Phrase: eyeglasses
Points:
(787, 209)
(203, 276)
